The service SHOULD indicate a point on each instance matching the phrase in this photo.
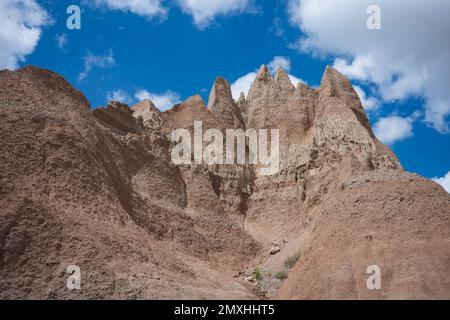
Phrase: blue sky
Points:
(178, 50)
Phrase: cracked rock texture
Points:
(97, 188)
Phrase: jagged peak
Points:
(220, 91)
(332, 74)
(222, 104)
(221, 82)
(145, 105)
(262, 80)
(263, 73)
(281, 75)
(335, 83)
(283, 80)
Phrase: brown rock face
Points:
(222, 104)
(98, 189)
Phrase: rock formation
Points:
(97, 189)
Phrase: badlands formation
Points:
(97, 189)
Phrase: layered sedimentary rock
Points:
(231, 185)
(223, 106)
(79, 189)
(341, 200)
(98, 189)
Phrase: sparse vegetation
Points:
(257, 273)
(290, 262)
(281, 275)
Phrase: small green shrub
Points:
(257, 273)
(281, 275)
(290, 262)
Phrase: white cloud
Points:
(295, 80)
(407, 57)
(204, 11)
(119, 95)
(21, 27)
(285, 64)
(395, 128)
(61, 40)
(279, 62)
(144, 8)
(162, 101)
(243, 84)
(100, 61)
(444, 181)
(369, 103)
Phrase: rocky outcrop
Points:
(117, 117)
(98, 189)
(340, 199)
(227, 187)
(223, 106)
(150, 115)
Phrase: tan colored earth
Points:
(98, 189)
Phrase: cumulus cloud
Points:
(162, 101)
(243, 84)
(21, 27)
(407, 57)
(204, 11)
(279, 62)
(444, 181)
(144, 8)
(369, 103)
(119, 95)
(395, 128)
(96, 61)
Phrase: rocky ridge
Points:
(97, 188)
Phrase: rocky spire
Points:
(283, 80)
(243, 107)
(221, 92)
(263, 73)
(222, 104)
(262, 82)
(335, 84)
(337, 93)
